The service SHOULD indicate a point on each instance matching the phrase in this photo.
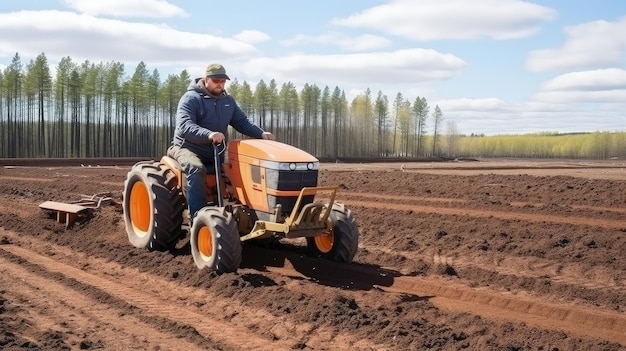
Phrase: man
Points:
(204, 113)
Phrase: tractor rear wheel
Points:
(214, 239)
(340, 243)
(153, 207)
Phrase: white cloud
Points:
(478, 116)
(452, 19)
(470, 105)
(590, 45)
(127, 8)
(348, 43)
(612, 96)
(252, 36)
(595, 80)
(378, 68)
(530, 117)
(492, 116)
(59, 34)
(363, 42)
(595, 86)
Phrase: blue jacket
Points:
(198, 115)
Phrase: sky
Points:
(493, 67)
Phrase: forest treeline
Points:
(99, 110)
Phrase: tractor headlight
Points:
(290, 166)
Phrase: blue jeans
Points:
(196, 172)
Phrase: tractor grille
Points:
(289, 180)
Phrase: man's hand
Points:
(216, 137)
(267, 136)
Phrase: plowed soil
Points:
(485, 255)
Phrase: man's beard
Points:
(216, 91)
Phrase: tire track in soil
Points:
(533, 311)
(535, 268)
(460, 298)
(150, 305)
(522, 267)
(129, 284)
(538, 268)
(422, 199)
(51, 180)
(490, 304)
(76, 313)
(480, 213)
(443, 294)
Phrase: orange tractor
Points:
(263, 190)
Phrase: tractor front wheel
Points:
(339, 243)
(215, 240)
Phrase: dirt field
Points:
(487, 255)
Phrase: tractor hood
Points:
(271, 154)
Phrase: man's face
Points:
(215, 85)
